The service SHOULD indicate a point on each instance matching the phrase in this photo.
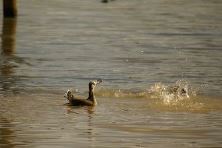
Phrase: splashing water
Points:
(179, 91)
(171, 94)
(179, 96)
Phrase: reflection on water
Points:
(89, 122)
(8, 36)
(71, 109)
(6, 134)
(9, 61)
(7, 52)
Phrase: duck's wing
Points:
(80, 102)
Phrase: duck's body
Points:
(79, 101)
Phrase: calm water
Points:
(138, 47)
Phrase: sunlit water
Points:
(140, 48)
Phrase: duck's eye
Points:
(99, 80)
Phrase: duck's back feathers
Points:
(80, 102)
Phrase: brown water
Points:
(138, 47)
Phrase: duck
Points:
(180, 91)
(80, 101)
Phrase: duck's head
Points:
(68, 95)
(92, 84)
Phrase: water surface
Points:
(139, 49)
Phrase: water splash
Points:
(178, 91)
(172, 94)
(179, 96)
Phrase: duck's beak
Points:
(98, 81)
(95, 82)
